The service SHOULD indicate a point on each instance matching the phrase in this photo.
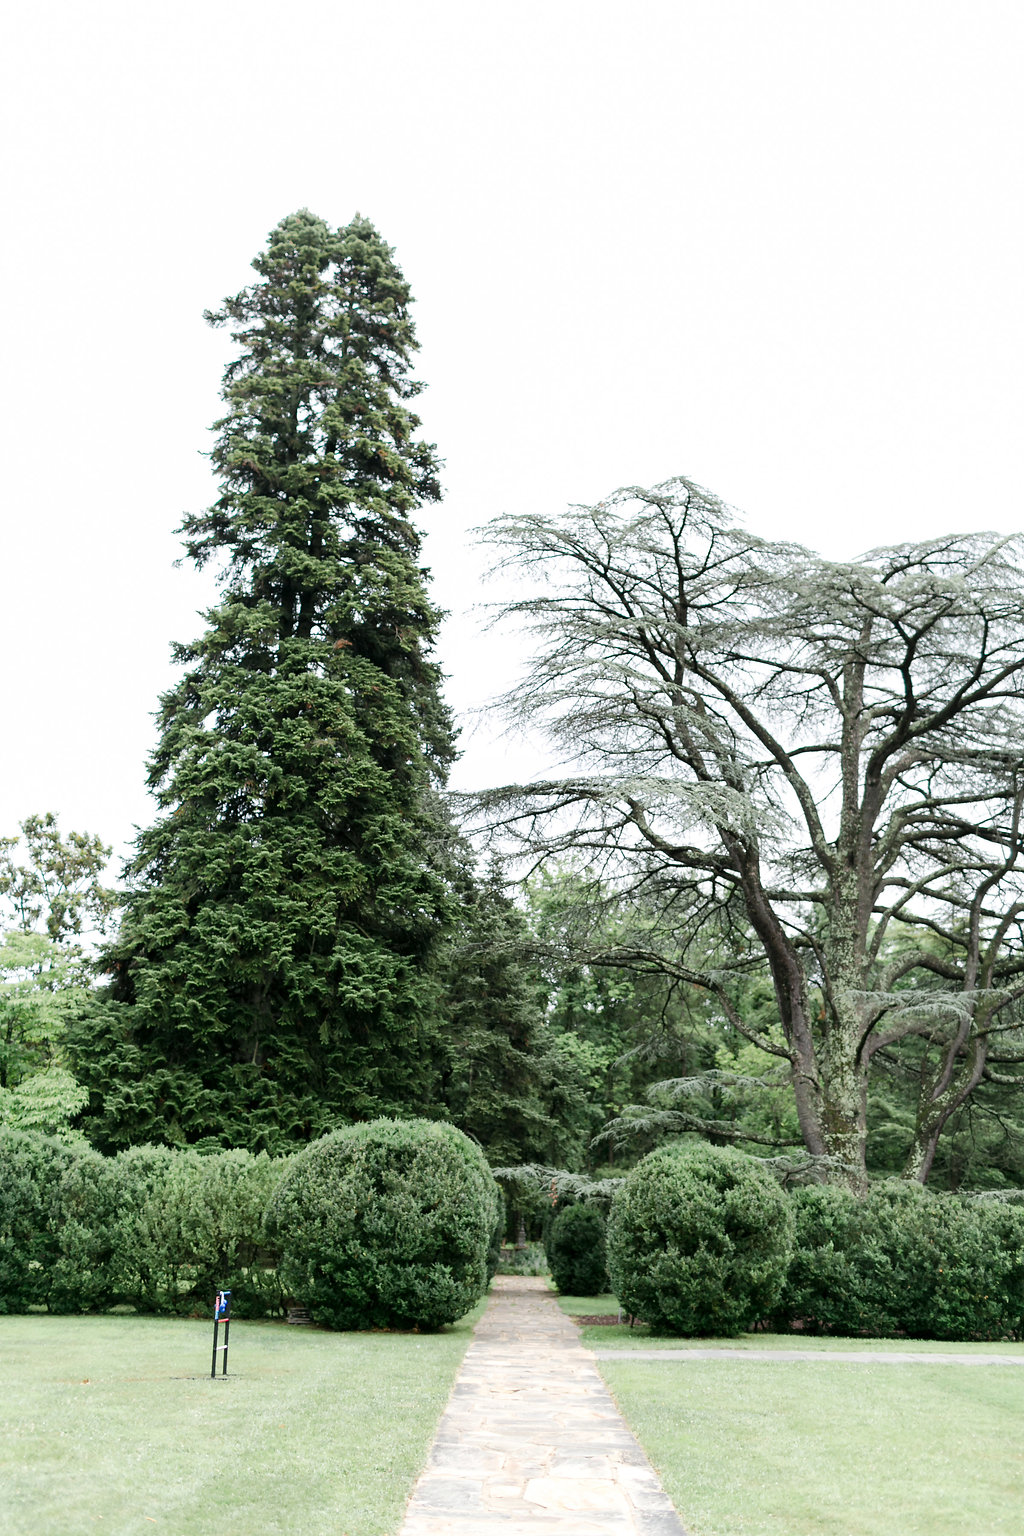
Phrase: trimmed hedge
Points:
(177, 1226)
(821, 1280)
(699, 1241)
(576, 1251)
(32, 1168)
(155, 1228)
(905, 1261)
(396, 1224)
(386, 1225)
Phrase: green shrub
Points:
(576, 1251)
(31, 1170)
(1003, 1227)
(927, 1266)
(904, 1261)
(139, 1230)
(699, 1241)
(88, 1206)
(822, 1289)
(222, 1203)
(386, 1225)
(162, 1229)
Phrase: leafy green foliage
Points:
(42, 986)
(273, 976)
(607, 1027)
(59, 884)
(45, 1101)
(576, 1251)
(45, 976)
(173, 1227)
(625, 1028)
(699, 1240)
(905, 1261)
(386, 1225)
(146, 1263)
(222, 1206)
(153, 1228)
(821, 1281)
(31, 1172)
(504, 1074)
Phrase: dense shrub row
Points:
(152, 1228)
(905, 1261)
(702, 1242)
(397, 1224)
(380, 1225)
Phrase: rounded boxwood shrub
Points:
(699, 1241)
(576, 1251)
(386, 1225)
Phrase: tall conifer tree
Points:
(272, 972)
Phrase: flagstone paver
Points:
(531, 1442)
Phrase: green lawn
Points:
(113, 1424)
(621, 1336)
(802, 1449)
(774, 1448)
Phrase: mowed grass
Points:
(805, 1448)
(621, 1336)
(113, 1424)
(824, 1448)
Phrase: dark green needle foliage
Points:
(498, 1073)
(272, 976)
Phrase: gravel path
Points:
(832, 1356)
(531, 1441)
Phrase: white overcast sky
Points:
(774, 246)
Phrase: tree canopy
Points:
(52, 896)
(793, 764)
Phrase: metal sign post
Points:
(221, 1309)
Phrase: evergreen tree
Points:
(495, 1066)
(272, 974)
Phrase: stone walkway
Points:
(531, 1442)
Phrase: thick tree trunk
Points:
(844, 1108)
(845, 1017)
